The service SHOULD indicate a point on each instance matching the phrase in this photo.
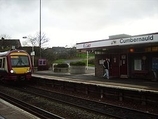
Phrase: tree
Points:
(5, 36)
(35, 40)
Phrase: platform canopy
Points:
(119, 40)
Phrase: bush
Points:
(62, 65)
(79, 63)
(91, 61)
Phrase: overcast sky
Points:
(67, 22)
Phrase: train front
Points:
(20, 67)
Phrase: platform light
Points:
(131, 50)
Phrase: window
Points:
(19, 61)
(137, 64)
(41, 62)
(3, 63)
(0, 63)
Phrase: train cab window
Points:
(19, 61)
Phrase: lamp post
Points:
(40, 28)
(87, 60)
(33, 56)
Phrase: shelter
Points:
(130, 56)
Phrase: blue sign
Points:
(155, 63)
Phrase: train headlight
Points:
(11, 71)
(29, 70)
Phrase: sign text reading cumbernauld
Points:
(137, 39)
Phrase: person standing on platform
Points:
(106, 67)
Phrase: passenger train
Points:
(15, 65)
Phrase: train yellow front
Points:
(15, 65)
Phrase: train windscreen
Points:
(19, 61)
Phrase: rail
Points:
(30, 108)
(91, 105)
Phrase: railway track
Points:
(101, 108)
(46, 103)
(43, 114)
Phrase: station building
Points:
(130, 56)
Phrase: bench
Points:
(140, 73)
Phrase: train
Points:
(15, 65)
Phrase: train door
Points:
(114, 65)
(123, 66)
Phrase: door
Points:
(123, 66)
(114, 65)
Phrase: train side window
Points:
(0, 63)
(3, 62)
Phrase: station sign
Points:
(33, 53)
(139, 39)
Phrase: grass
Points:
(82, 57)
(60, 61)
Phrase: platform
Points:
(9, 111)
(89, 78)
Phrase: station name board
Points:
(136, 39)
(140, 39)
